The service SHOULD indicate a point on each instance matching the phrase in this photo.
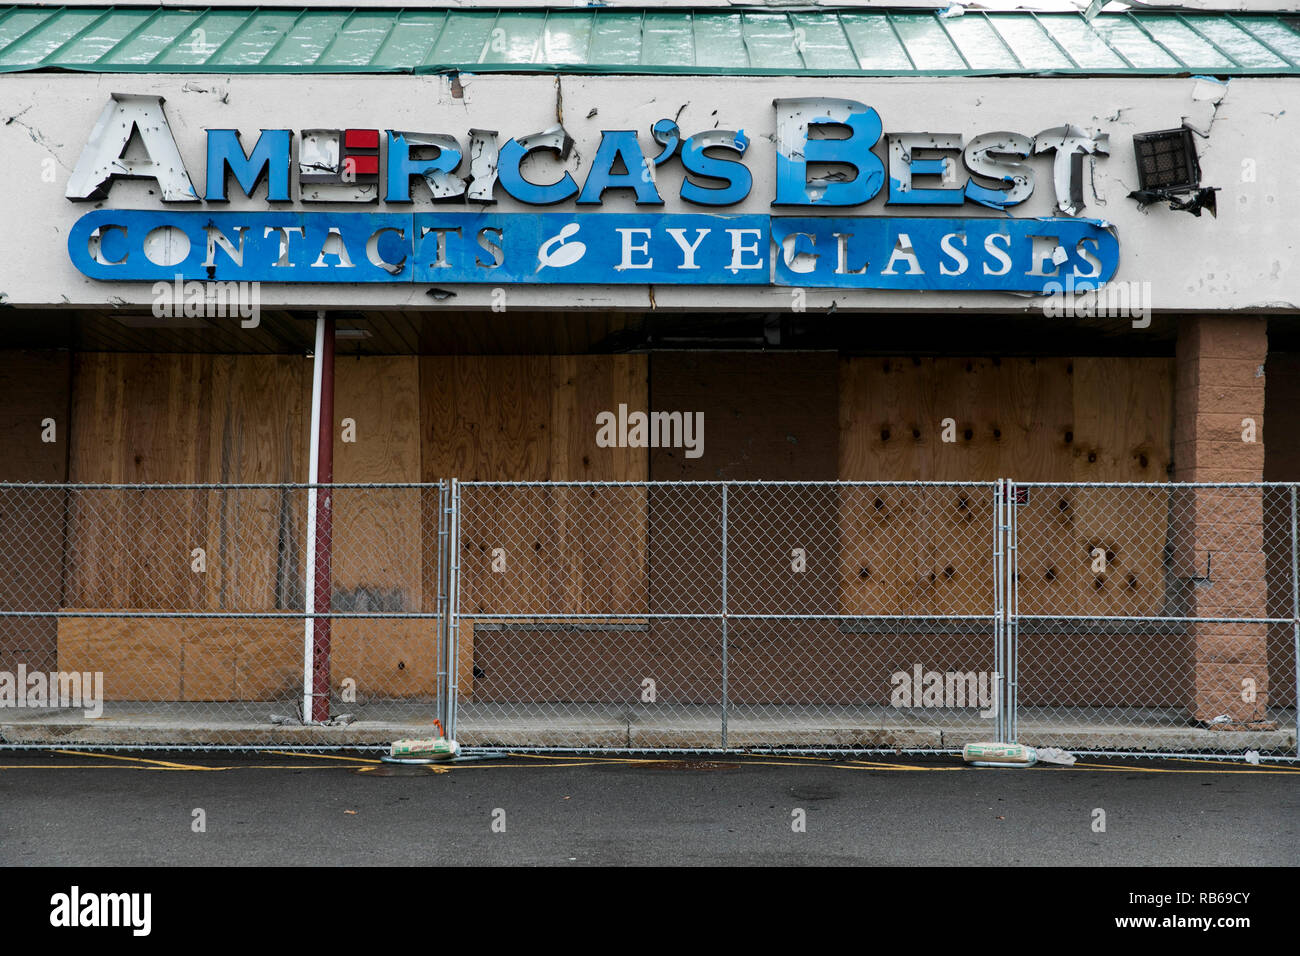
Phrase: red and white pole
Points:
(320, 526)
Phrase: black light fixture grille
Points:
(1166, 160)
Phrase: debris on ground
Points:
(1014, 755)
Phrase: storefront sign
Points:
(821, 246)
(1021, 255)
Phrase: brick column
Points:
(1219, 540)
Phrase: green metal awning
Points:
(823, 42)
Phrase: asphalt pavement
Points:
(96, 809)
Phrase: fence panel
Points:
(178, 615)
(725, 615)
(1156, 617)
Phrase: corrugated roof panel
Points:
(1081, 42)
(411, 38)
(204, 38)
(1031, 44)
(53, 33)
(821, 41)
(515, 38)
(18, 22)
(304, 42)
(359, 41)
(1136, 46)
(1277, 34)
(979, 42)
(602, 40)
(666, 39)
(464, 39)
(1235, 42)
(719, 41)
(616, 39)
(100, 38)
(930, 49)
(249, 45)
(770, 40)
(567, 38)
(1183, 42)
(876, 44)
(150, 39)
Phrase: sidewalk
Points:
(661, 726)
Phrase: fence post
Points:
(998, 673)
(442, 604)
(1295, 615)
(724, 617)
(317, 586)
(453, 613)
(1013, 614)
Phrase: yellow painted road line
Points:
(294, 766)
(492, 763)
(1104, 768)
(885, 766)
(759, 762)
(70, 766)
(446, 767)
(596, 758)
(316, 756)
(167, 764)
(881, 765)
(338, 762)
(758, 756)
(645, 761)
(136, 766)
(1235, 764)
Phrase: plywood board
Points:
(966, 391)
(888, 427)
(1123, 419)
(959, 521)
(766, 416)
(1123, 431)
(529, 418)
(256, 433)
(1053, 419)
(599, 563)
(1035, 414)
(390, 658)
(485, 418)
(135, 419)
(378, 534)
(152, 659)
(884, 552)
(465, 659)
(488, 418)
(887, 433)
(186, 418)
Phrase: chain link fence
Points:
(711, 615)
(179, 615)
(1156, 617)
(877, 615)
(807, 616)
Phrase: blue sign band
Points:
(1014, 255)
